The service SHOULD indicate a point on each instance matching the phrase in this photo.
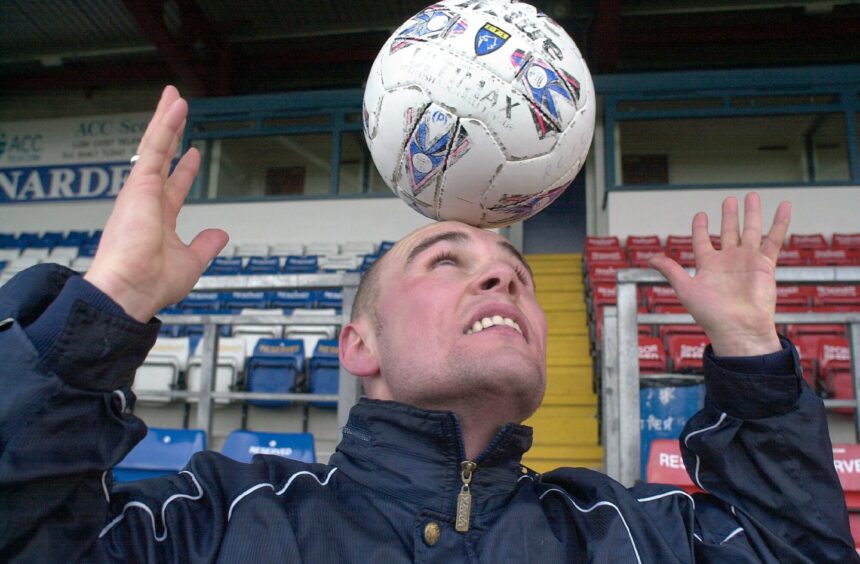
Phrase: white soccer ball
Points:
(479, 111)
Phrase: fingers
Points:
(729, 234)
(701, 238)
(672, 271)
(155, 151)
(751, 237)
(179, 184)
(207, 244)
(771, 244)
(169, 95)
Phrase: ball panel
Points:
(470, 172)
(396, 108)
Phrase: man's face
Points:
(458, 325)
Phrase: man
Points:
(451, 344)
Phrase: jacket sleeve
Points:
(761, 448)
(68, 358)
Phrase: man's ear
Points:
(357, 351)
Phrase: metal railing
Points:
(349, 389)
(620, 358)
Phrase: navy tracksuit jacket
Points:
(389, 494)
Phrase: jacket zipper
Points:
(464, 498)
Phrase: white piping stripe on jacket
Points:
(698, 460)
(287, 485)
(673, 492)
(119, 518)
(592, 508)
(734, 533)
(104, 486)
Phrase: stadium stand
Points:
(243, 445)
(324, 371)
(161, 452)
(275, 366)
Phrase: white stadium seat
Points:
(358, 247)
(287, 249)
(310, 334)
(322, 248)
(231, 363)
(252, 250)
(162, 367)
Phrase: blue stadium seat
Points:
(301, 264)
(262, 265)
(243, 445)
(384, 246)
(52, 239)
(275, 367)
(8, 241)
(76, 238)
(244, 300)
(161, 452)
(28, 239)
(201, 302)
(328, 298)
(324, 372)
(367, 262)
(291, 299)
(224, 266)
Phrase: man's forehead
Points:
(452, 231)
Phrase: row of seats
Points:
(666, 466)
(225, 302)
(167, 451)
(802, 250)
(271, 366)
(289, 264)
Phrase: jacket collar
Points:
(414, 455)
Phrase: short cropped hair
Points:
(367, 294)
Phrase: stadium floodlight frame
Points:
(621, 435)
(349, 390)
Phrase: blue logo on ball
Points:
(490, 38)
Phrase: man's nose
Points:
(498, 278)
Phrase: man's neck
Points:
(477, 433)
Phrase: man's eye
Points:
(443, 259)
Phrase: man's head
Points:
(418, 332)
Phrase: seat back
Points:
(262, 265)
(275, 367)
(687, 352)
(652, 355)
(224, 266)
(296, 264)
(807, 241)
(846, 458)
(161, 452)
(160, 371)
(666, 466)
(243, 445)
(324, 371)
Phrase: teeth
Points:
(493, 321)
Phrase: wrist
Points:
(745, 344)
(135, 304)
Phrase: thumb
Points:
(207, 244)
(672, 271)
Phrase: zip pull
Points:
(464, 498)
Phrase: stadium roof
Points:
(220, 47)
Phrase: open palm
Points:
(733, 293)
(141, 263)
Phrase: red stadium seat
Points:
(846, 241)
(652, 355)
(807, 350)
(832, 257)
(807, 241)
(794, 295)
(715, 242)
(643, 242)
(793, 257)
(603, 294)
(794, 331)
(846, 458)
(842, 295)
(684, 257)
(605, 256)
(661, 295)
(639, 258)
(834, 359)
(593, 242)
(686, 352)
(665, 466)
(679, 242)
(603, 272)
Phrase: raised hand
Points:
(141, 263)
(733, 293)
